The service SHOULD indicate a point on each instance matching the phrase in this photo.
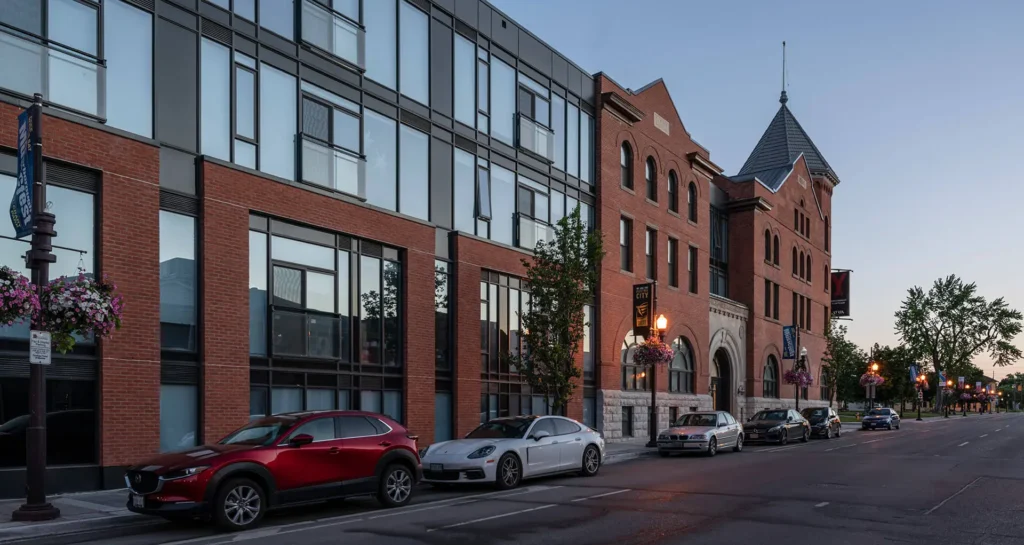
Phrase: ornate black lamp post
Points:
(660, 325)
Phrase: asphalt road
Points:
(940, 481)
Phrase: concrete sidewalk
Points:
(81, 514)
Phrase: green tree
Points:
(842, 364)
(950, 324)
(562, 277)
(894, 365)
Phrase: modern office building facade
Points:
(316, 204)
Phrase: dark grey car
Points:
(777, 426)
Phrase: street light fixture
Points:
(660, 325)
(922, 382)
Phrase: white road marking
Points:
(964, 443)
(986, 435)
(485, 519)
(822, 504)
(602, 495)
(957, 493)
(259, 534)
(872, 441)
(837, 448)
(999, 429)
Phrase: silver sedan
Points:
(703, 432)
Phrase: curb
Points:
(78, 531)
(626, 456)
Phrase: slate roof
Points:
(779, 147)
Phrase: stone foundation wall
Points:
(611, 402)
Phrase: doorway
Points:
(720, 381)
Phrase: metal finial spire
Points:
(783, 99)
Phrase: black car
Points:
(824, 421)
(881, 418)
(776, 426)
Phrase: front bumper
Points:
(176, 509)
(700, 445)
(820, 429)
(460, 471)
(875, 424)
(761, 436)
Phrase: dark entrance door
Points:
(721, 381)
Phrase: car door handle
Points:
(578, 439)
(333, 450)
(385, 443)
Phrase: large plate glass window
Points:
(414, 48)
(333, 27)
(534, 129)
(128, 48)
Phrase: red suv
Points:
(279, 461)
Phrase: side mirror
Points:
(723, 425)
(301, 439)
(537, 436)
(789, 419)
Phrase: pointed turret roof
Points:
(781, 145)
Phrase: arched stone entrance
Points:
(721, 381)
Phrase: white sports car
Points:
(507, 450)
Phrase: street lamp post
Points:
(963, 402)
(660, 325)
(801, 364)
(948, 391)
(872, 370)
(921, 382)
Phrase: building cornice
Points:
(703, 165)
(729, 308)
(752, 203)
(621, 108)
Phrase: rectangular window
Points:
(586, 148)
(808, 314)
(673, 263)
(381, 20)
(589, 327)
(775, 301)
(650, 250)
(245, 110)
(279, 17)
(692, 263)
(558, 128)
(768, 298)
(257, 293)
(443, 425)
(503, 204)
(246, 9)
(179, 417)
(442, 337)
(380, 142)
(627, 421)
(413, 172)
(483, 193)
(803, 323)
(483, 79)
(590, 411)
(796, 307)
(73, 79)
(719, 258)
(278, 119)
(369, 297)
(330, 32)
(626, 244)
(414, 80)
(215, 100)
(330, 141)
(178, 282)
(464, 195)
(465, 81)
(503, 102)
(128, 47)
(572, 142)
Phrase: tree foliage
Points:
(842, 364)
(894, 364)
(561, 278)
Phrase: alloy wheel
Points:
(242, 505)
(399, 485)
(591, 463)
(828, 432)
(510, 471)
(712, 446)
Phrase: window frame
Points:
(626, 244)
(692, 258)
(626, 165)
(673, 192)
(691, 196)
(651, 178)
(651, 253)
(673, 262)
(770, 385)
(682, 377)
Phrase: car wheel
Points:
(510, 472)
(806, 436)
(785, 437)
(395, 488)
(739, 444)
(897, 425)
(889, 426)
(239, 505)
(828, 432)
(712, 447)
(591, 461)
(839, 431)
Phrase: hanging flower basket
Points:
(801, 377)
(868, 379)
(652, 352)
(79, 306)
(965, 397)
(18, 299)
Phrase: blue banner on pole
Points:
(942, 378)
(789, 342)
(913, 373)
(21, 203)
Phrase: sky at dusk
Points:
(918, 106)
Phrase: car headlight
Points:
(481, 452)
(184, 473)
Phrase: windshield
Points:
(879, 412)
(264, 431)
(815, 413)
(500, 429)
(770, 415)
(14, 424)
(704, 420)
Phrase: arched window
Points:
(827, 241)
(809, 269)
(673, 191)
(633, 377)
(775, 250)
(826, 279)
(795, 266)
(771, 378)
(651, 175)
(680, 372)
(691, 202)
(626, 160)
(767, 245)
(826, 387)
(802, 271)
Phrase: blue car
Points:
(881, 418)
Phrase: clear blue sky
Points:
(918, 106)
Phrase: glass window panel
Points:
(257, 403)
(414, 166)
(503, 204)
(320, 292)
(443, 429)
(586, 153)
(245, 60)
(257, 293)
(393, 405)
(483, 194)
(278, 113)
(23, 14)
(278, 17)
(303, 253)
(286, 400)
(287, 287)
(542, 111)
(503, 101)
(344, 400)
(370, 301)
(329, 97)
(587, 216)
(381, 160)
(465, 191)
(316, 120)
(557, 206)
(245, 154)
(128, 47)
(226, 4)
(215, 100)
(558, 127)
(370, 401)
(442, 350)
(246, 8)
(344, 306)
(380, 19)
(346, 130)
(321, 429)
(73, 24)
(465, 80)
(588, 339)
(415, 51)
(540, 207)
(572, 145)
(179, 416)
(348, 8)
(392, 324)
(483, 79)
(319, 400)
(245, 103)
(177, 281)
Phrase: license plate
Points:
(753, 436)
(138, 501)
(436, 467)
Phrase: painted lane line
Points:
(999, 429)
(602, 495)
(964, 443)
(955, 494)
(837, 448)
(874, 441)
(258, 535)
(485, 519)
(986, 435)
(822, 504)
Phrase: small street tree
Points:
(894, 365)
(561, 278)
(950, 324)
(841, 361)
